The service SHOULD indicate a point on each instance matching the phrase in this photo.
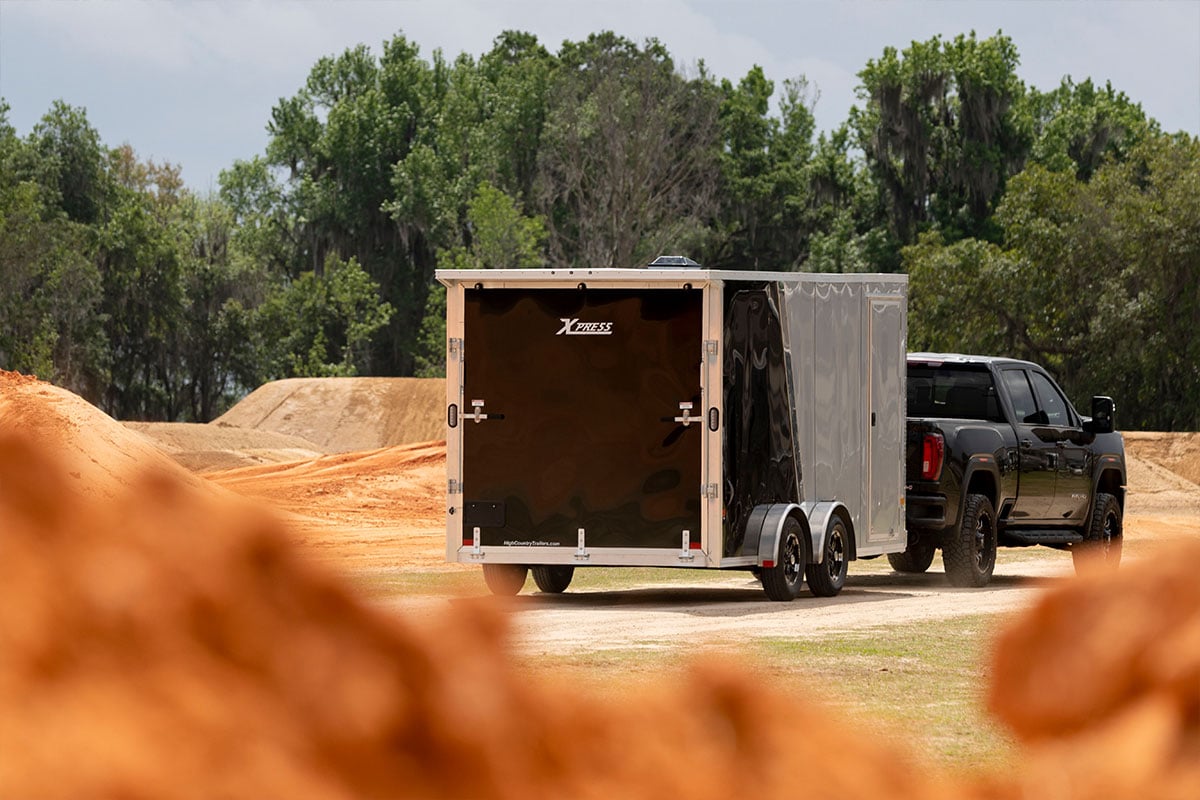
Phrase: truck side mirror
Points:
(1103, 412)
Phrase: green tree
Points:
(321, 325)
(765, 215)
(628, 163)
(1078, 126)
(942, 130)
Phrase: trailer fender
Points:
(772, 526)
(820, 518)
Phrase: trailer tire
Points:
(916, 559)
(1101, 549)
(553, 579)
(783, 579)
(505, 579)
(969, 552)
(827, 578)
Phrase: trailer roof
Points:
(656, 275)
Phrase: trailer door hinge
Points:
(710, 490)
(710, 348)
(455, 487)
(455, 348)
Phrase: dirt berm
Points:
(342, 415)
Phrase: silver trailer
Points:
(674, 417)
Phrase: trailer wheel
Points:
(917, 558)
(553, 579)
(827, 578)
(969, 553)
(505, 579)
(1102, 547)
(782, 580)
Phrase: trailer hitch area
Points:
(477, 413)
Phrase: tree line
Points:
(1061, 226)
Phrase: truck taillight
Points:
(933, 450)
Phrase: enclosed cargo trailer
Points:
(674, 417)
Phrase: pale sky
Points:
(193, 83)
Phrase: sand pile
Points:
(391, 486)
(99, 454)
(341, 415)
(205, 448)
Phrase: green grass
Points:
(920, 684)
(925, 682)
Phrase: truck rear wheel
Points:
(827, 578)
(969, 553)
(1102, 547)
(553, 579)
(505, 579)
(917, 558)
(783, 579)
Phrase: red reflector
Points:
(694, 545)
(933, 450)
(768, 564)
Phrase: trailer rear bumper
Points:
(590, 557)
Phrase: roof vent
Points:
(673, 261)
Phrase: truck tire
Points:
(505, 579)
(782, 580)
(915, 559)
(827, 578)
(969, 553)
(553, 579)
(1101, 547)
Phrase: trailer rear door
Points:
(571, 399)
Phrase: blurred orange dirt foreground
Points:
(162, 637)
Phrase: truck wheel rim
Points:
(983, 530)
(1109, 533)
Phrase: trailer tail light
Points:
(933, 451)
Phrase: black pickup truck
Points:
(996, 456)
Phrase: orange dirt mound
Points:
(345, 414)
(361, 511)
(1178, 452)
(206, 448)
(100, 454)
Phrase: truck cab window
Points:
(1022, 396)
(952, 391)
(1052, 401)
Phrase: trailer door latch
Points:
(686, 418)
(477, 413)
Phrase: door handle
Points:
(686, 417)
(477, 413)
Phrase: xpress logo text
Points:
(573, 327)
